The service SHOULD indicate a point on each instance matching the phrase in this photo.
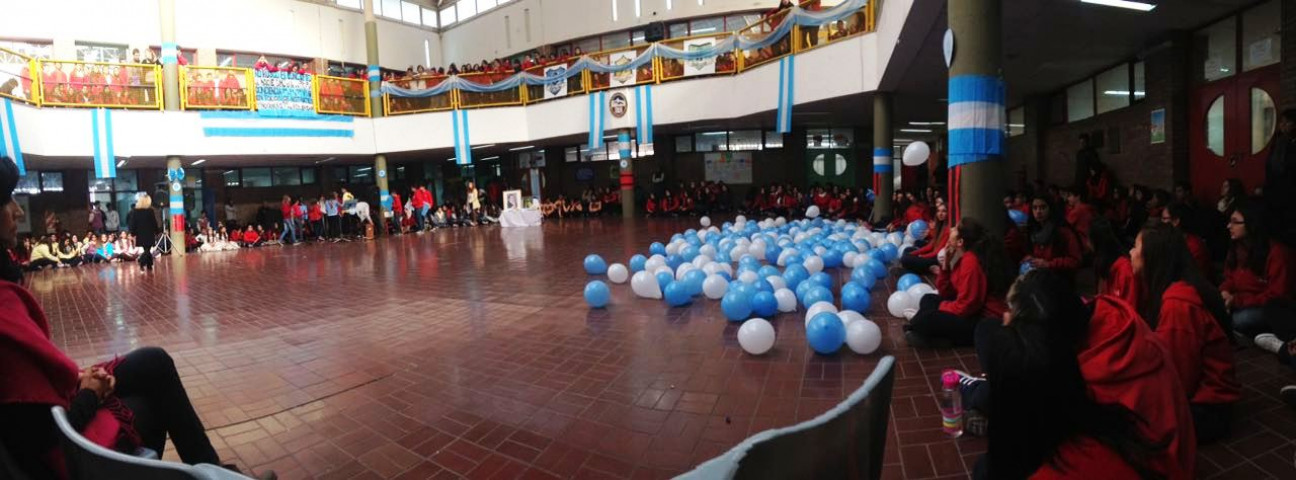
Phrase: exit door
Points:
(1231, 130)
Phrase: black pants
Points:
(932, 323)
(40, 263)
(148, 383)
(1212, 421)
(916, 264)
(146, 258)
(335, 226)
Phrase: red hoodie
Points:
(1120, 281)
(1201, 256)
(1085, 457)
(1080, 217)
(1124, 362)
(1249, 290)
(966, 291)
(1063, 255)
(1198, 346)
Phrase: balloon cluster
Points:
(759, 269)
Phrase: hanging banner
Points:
(283, 91)
(558, 87)
(728, 167)
(105, 161)
(699, 66)
(625, 77)
(9, 146)
(644, 116)
(620, 110)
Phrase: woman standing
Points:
(473, 202)
(144, 226)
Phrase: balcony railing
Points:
(342, 96)
(18, 79)
(216, 88)
(68, 83)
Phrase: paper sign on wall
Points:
(728, 167)
(701, 66)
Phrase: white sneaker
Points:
(1268, 342)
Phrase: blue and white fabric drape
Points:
(597, 112)
(787, 86)
(104, 159)
(9, 146)
(976, 118)
(644, 114)
(462, 142)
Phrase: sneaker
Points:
(916, 340)
(967, 380)
(1288, 395)
(1268, 342)
(975, 423)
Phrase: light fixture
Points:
(121, 163)
(199, 162)
(490, 158)
(703, 30)
(451, 159)
(714, 133)
(325, 160)
(916, 130)
(518, 149)
(365, 169)
(1127, 4)
(483, 146)
(1123, 93)
(927, 124)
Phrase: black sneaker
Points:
(967, 380)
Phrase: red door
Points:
(1230, 130)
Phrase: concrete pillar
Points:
(883, 166)
(371, 56)
(175, 204)
(976, 113)
(627, 175)
(170, 69)
(384, 196)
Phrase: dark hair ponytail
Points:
(1166, 260)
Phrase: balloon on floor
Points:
(597, 294)
(594, 265)
(618, 273)
(756, 336)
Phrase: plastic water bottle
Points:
(951, 404)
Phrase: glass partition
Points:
(215, 88)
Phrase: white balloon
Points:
(706, 222)
(663, 268)
(699, 261)
(711, 268)
(812, 212)
(702, 234)
(749, 277)
(787, 300)
(673, 248)
(780, 221)
(683, 268)
(737, 252)
(848, 259)
(757, 249)
(714, 287)
(863, 337)
(654, 262)
(940, 256)
(909, 313)
(618, 273)
(817, 308)
(727, 268)
(756, 336)
(645, 285)
(740, 219)
(898, 303)
(813, 264)
(916, 154)
(776, 281)
(850, 316)
(917, 290)
(708, 250)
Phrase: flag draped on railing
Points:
(9, 146)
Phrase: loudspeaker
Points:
(655, 32)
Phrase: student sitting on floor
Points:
(251, 238)
(1111, 262)
(1178, 216)
(1256, 276)
(972, 282)
(651, 205)
(1053, 244)
(1190, 319)
(921, 260)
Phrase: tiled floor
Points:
(470, 353)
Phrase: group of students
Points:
(419, 212)
(834, 202)
(592, 203)
(694, 198)
(64, 249)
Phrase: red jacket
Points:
(1250, 290)
(931, 249)
(1084, 457)
(1200, 254)
(650, 206)
(236, 236)
(1124, 362)
(288, 211)
(1120, 282)
(251, 237)
(315, 214)
(1098, 188)
(1080, 217)
(1063, 255)
(397, 206)
(416, 199)
(1198, 346)
(1015, 245)
(966, 291)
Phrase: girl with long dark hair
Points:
(1256, 275)
(1053, 244)
(1179, 216)
(1189, 317)
(972, 281)
(921, 260)
(1111, 262)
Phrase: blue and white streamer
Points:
(644, 114)
(276, 123)
(597, 112)
(374, 73)
(175, 179)
(169, 53)
(883, 161)
(462, 142)
(9, 146)
(976, 118)
(101, 126)
(786, 99)
(623, 144)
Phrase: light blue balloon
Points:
(822, 279)
(817, 294)
(1025, 267)
(793, 259)
(879, 270)
(907, 280)
(867, 280)
(855, 297)
(825, 333)
(801, 290)
(891, 251)
(725, 275)
(918, 229)
(677, 294)
(794, 274)
(693, 279)
(657, 249)
(676, 237)
(1018, 217)
(768, 271)
(832, 259)
(736, 306)
(689, 253)
(743, 288)
(772, 253)
(861, 272)
(748, 260)
(597, 294)
(637, 263)
(674, 261)
(664, 279)
(764, 304)
(763, 286)
(594, 265)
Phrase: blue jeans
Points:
(1250, 321)
(290, 226)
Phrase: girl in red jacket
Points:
(921, 260)
(972, 282)
(1111, 262)
(1256, 273)
(651, 205)
(1189, 318)
(1053, 243)
(1100, 365)
(1176, 214)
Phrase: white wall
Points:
(284, 27)
(554, 21)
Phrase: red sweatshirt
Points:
(1250, 290)
(1124, 362)
(250, 237)
(1015, 245)
(1120, 281)
(931, 249)
(966, 291)
(1198, 347)
(1098, 188)
(1063, 255)
(1200, 254)
(315, 214)
(1084, 457)
(650, 206)
(1080, 217)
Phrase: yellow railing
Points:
(68, 83)
(402, 105)
(639, 76)
(466, 99)
(671, 69)
(811, 37)
(760, 30)
(338, 95)
(19, 78)
(216, 88)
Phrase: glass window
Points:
(1113, 89)
(1016, 121)
(30, 183)
(286, 176)
(711, 142)
(447, 16)
(1215, 126)
(1080, 101)
(637, 37)
(257, 177)
(1261, 39)
(356, 4)
(231, 178)
(1263, 119)
(745, 140)
(97, 184)
(429, 18)
(684, 144)
(678, 30)
(100, 52)
(1215, 49)
(362, 175)
(466, 9)
(484, 5)
(1140, 78)
(773, 139)
(308, 175)
(616, 40)
(571, 154)
(390, 8)
(38, 50)
(739, 22)
(193, 178)
(706, 25)
(127, 180)
(826, 138)
(410, 13)
(589, 45)
(51, 181)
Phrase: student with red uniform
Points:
(972, 282)
(1256, 275)
(316, 217)
(1111, 262)
(1053, 243)
(652, 205)
(1079, 215)
(250, 238)
(922, 259)
(1190, 319)
(835, 206)
(398, 211)
(669, 204)
(1176, 215)
(289, 216)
